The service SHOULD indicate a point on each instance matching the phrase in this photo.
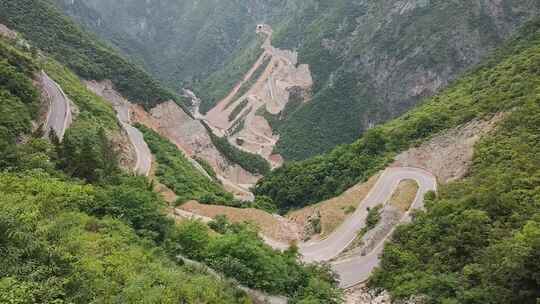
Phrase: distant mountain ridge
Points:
(371, 60)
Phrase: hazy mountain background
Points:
(371, 60)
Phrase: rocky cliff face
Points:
(370, 60)
(373, 60)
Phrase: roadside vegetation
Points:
(47, 29)
(504, 81)
(479, 239)
(76, 229)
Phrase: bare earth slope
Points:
(266, 88)
(191, 137)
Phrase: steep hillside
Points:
(512, 69)
(371, 61)
(177, 41)
(55, 34)
(479, 238)
(78, 229)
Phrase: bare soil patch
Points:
(404, 195)
(334, 211)
(273, 226)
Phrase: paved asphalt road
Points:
(144, 155)
(59, 115)
(356, 269)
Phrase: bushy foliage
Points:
(53, 252)
(49, 30)
(366, 60)
(220, 83)
(75, 229)
(479, 240)
(177, 173)
(501, 83)
(240, 253)
(253, 163)
(18, 98)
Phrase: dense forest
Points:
(371, 61)
(77, 229)
(503, 82)
(58, 36)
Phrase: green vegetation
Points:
(502, 83)
(373, 217)
(75, 229)
(239, 252)
(54, 251)
(367, 59)
(220, 83)
(55, 34)
(207, 167)
(253, 163)
(238, 109)
(479, 239)
(177, 173)
(19, 100)
(277, 121)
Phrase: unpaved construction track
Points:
(269, 83)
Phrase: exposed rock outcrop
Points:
(449, 154)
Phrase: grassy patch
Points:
(238, 109)
(404, 195)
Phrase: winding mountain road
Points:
(356, 269)
(144, 155)
(59, 116)
(344, 235)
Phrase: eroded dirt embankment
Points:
(449, 155)
(240, 115)
(191, 137)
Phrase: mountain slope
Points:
(58, 36)
(78, 229)
(479, 239)
(177, 41)
(371, 61)
(472, 96)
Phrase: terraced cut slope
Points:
(266, 88)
